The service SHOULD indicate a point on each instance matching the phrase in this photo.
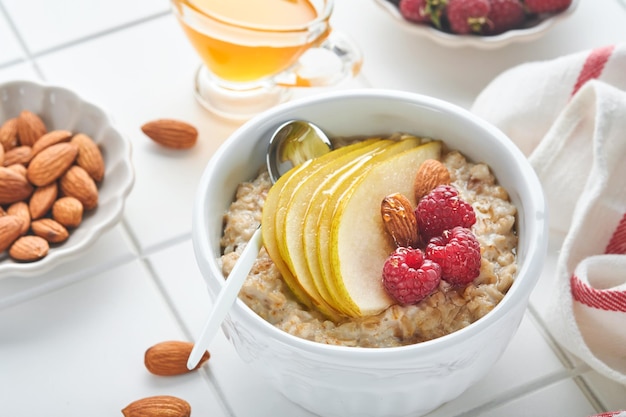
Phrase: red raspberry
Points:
(408, 277)
(442, 209)
(505, 15)
(547, 6)
(423, 11)
(467, 16)
(414, 10)
(458, 253)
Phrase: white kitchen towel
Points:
(568, 115)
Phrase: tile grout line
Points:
(206, 375)
(29, 58)
(60, 283)
(520, 392)
(570, 371)
(576, 371)
(100, 34)
(32, 57)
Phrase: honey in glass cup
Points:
(250, 50)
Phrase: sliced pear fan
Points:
(322, 227)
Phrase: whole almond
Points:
(42, 200)
(13, 186)
(50, 229)
(29, 248)
(18, 168)
(171, 133)
(20, 209)
(77, 183)
(10, 227)
(68, 211)
(399, 220)
(8, 134)
(30, 128)
(158, 406)
(430, 174)
(18, 155)
(51, 138)
(1, 155)
(49, 164)
(89, 156)
(170, 358)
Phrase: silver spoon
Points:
(293, 143)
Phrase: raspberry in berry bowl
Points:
(357, 289)
(484, 24)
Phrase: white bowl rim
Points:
(481, 42)
(537, 247)
(62, 254)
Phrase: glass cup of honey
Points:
(254, 52)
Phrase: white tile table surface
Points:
(72, 341)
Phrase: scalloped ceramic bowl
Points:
(339, 381)
(533, 30)
(61, 108)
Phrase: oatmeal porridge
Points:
(447, 309)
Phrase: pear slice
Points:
(292, 243)
(336, 194)
(273, 212)
(358, 243)
(268, 232)
(310, 235)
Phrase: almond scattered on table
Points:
(158, 406)
(170, 358)
(171, 133)
(47, 180)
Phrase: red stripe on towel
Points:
(594, 65)
(617, 244)
(602, 299)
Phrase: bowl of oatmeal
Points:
(400, 359)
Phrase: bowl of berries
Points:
(394, 269)
(484, 24)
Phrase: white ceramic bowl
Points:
(531, 31)
(347, 381)
(61, 108)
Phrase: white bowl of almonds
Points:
(354, 307)
(65, 173)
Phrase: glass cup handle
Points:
(336, 59)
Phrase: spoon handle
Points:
(226, 298)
